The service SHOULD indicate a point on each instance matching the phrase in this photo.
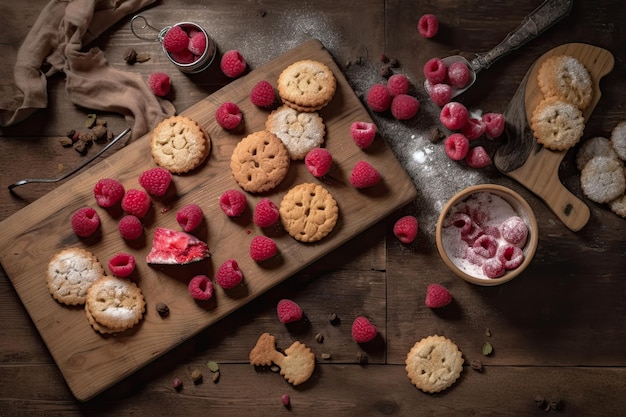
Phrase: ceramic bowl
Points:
(447, 245)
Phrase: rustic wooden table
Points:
(557, 330)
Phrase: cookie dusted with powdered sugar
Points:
(70, 273)
(307, 85)
(299, 131)
(557, 124)
(434, 363)
(114, 304)
(179, 144)
(566, 78)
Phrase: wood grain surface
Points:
(90, 362)
(539, 172)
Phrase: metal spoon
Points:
(75, 170)
(540, 19)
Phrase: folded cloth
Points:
(56, 40)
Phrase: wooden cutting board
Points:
(91, 362)
(528, 162)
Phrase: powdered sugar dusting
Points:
(436, 177)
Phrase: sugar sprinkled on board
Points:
(436, 177)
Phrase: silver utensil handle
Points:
(544, 16)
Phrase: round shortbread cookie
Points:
(259, 162)
(434, 364)
(299, 131)
(566, 78)
(307, 83)
(556, 124)
(115, 303)
(603, 179)
(308, 212)
(596, 146)
(70, 273)
(179, 144)
(618, 140)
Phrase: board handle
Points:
(573, 212)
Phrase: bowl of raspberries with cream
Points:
(487, 234)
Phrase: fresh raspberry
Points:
(136, 202)
(474, 128)
(440, 94)
(263, 94)
(477, 157)
(405, 229)
(130, 227)
(288, 311)
(233, 203)
(514, 230)
(454, 115)
(85, 221)
(108, 192)
(511, 256)
(189, 217)
(175, 39)
(435, 70)
(159, 83)
(265, 213)
(155, 181)
(122, 264)
(318, 161)
(183, 57)
(364, 175)
(404, 106)
(363, 330)
(378, 98)
(363, 133)
(428, 25)
(494, 124)
(233, 64)
(398, 84)
(456, 146)
(458, 74)
(228, 115)
(486, 246)
(493, 268)
(437, 296)
(262, 248)
(200, 288)
(228, 274)
(197, 43)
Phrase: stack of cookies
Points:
(75, 277)
(557, 121)
(603, 174)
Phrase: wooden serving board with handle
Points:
(91, 362)
(529, 163)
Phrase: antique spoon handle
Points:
(544, 16)
(75, 170)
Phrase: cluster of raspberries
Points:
(184, 44)
(441, 82)
(393, 96)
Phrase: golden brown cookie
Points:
(564, 77)
(307, 84)
(434, 364)
(296, 365)
(259, 162)
(557, 124)
(602, 179)
(299, 131)
(308, 212)
(116, 304)
(179, 144)
(70, 273)
(596, 146)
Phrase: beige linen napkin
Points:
(56, 39)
